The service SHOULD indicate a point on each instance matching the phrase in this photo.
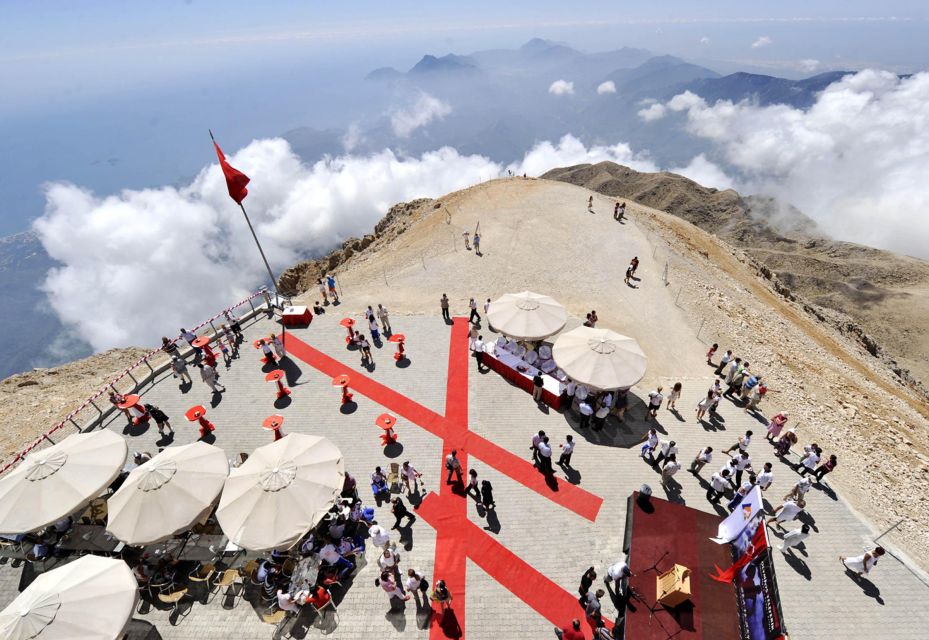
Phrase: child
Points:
(711, 353)
(224, 348)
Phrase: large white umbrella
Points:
(55, 482)
(600, 358)
(526, 315)
(280, 492)
(91, 598)
(167, 494)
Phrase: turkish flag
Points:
(235, 179)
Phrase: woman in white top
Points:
(675, 396)
(862, 565)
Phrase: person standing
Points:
(391, 588)
(210, 377)
(593, 608)
(477, 243)
(766, 477)
(590, 204)
(442, 595)
(675, 396)
(400, 512)
(727, 357)
(827, 467)
(616, 573)
(654, 403)
(179, 366)
(671, 466)
(719, 484)
(711, 353)
(616, 211)
(478, 350)
(587, 581)
(566, 393)
(584, 408)
(487, 495)
(453, 465)
(278, 345)
(862, 565)
(777, 423)
(268, 352)
(622, 211)
(534, 446)
(538, 383)
(373, 327)
(704, 405)
(545, 457)
(330, 282)
(667, 448)
(467, 240)
(365, 349)
(810, 461)
(570, 632)
(703, 458)
(384, 317)
(418, 585)
(567, 449)
(793, 538)
(169, 347)
(190, 336)
(472, 304)
(323, 290)
(742, 462)
(443, 302)
(757, 395)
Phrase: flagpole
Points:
(260, 250)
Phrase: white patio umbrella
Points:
(600, 358)
(526, 315)
(91, 598)
(167, 494)
(280, 492)
(55, 482)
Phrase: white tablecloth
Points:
(550, 383)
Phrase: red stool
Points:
(342, 381)
(348, 323)
(387, 422)
(276, 376)
(274, 423)
(399, 338)
(198, 413)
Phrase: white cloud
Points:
(606, 87)
(809, 65)
(571, 151)
(352, 138)
(856, 161)
(426, 109)
(561, 88)
(705, 172)
(704, 40)
(763, 41)
(653, 112)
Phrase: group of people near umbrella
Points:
(275, 499)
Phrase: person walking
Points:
(810, 461)
(742, 462)
(622, 211)
(169, 347)
(634, 263)
(567, 449)
(487, 495)
(719, 484)
(703, 458)
(590, 204)
(587, 581)
(534, 446)
(704, 405)
(723, 362)
(800, 489)
(418, 585)
(775, 425)
(675, 396)
(473, 485)
(654, 403)
(231, 340)
(179, 366)
(478, 351)
(386, 582)
(628, 276)
(224, 349)
(190, 336)
(538, 383)
(409, 475)
(615, 574)
(323, 290)
(268, 352)
(365, 350)
(443, 302)
(545, 457)
(472, 304)
(467, 240)
(592, 609)
(741, 444)
(209, 376)
(161, 419)
(452, 465)
(862, 565)
(373, 327)
(787, 512)
(384, 317)
(442, 595)
(827, 467)
(278, 345)
(666, 448)
(477, 243)
(400, 512)
(793, 538)
(649, 446)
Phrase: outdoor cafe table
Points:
(505, 363)
(199, 547)
(89, 537)
(305, 574)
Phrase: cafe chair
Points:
(393, 477)
(199, 579)
(226, 582)
(321, 611)
(172, 595)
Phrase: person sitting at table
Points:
(319, 598)
(330, 555)
(267, 571)
(351, 547)
(142, 573)
(287, 602)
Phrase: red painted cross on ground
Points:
(457, 538)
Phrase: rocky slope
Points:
(878, 298)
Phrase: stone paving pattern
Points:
(819, 600)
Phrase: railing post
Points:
(213, 326)
(71, 420)
(251, 305)
(97, 408)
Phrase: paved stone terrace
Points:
(819, 599)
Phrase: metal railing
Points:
(137, 381)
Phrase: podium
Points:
(296, 316)
(673, 586)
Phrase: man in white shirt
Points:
(586, 411)
(719, 483)
(741, 444)
(727, 357)
(810, 461)
(581, 392)
(453, 465)
(655, 398)
(800, 489)
(380, 537)
(615, 574)
(766, 477)
(478, 349)
(742, 462)
(666, 449)
(795, 537)
(649, 446)
(787, 512)
(534, 447)
(545, 457)
(671, 466)
(409, 475)
(286, 602)
(703, 458)
(600, 417)
(564, 460)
